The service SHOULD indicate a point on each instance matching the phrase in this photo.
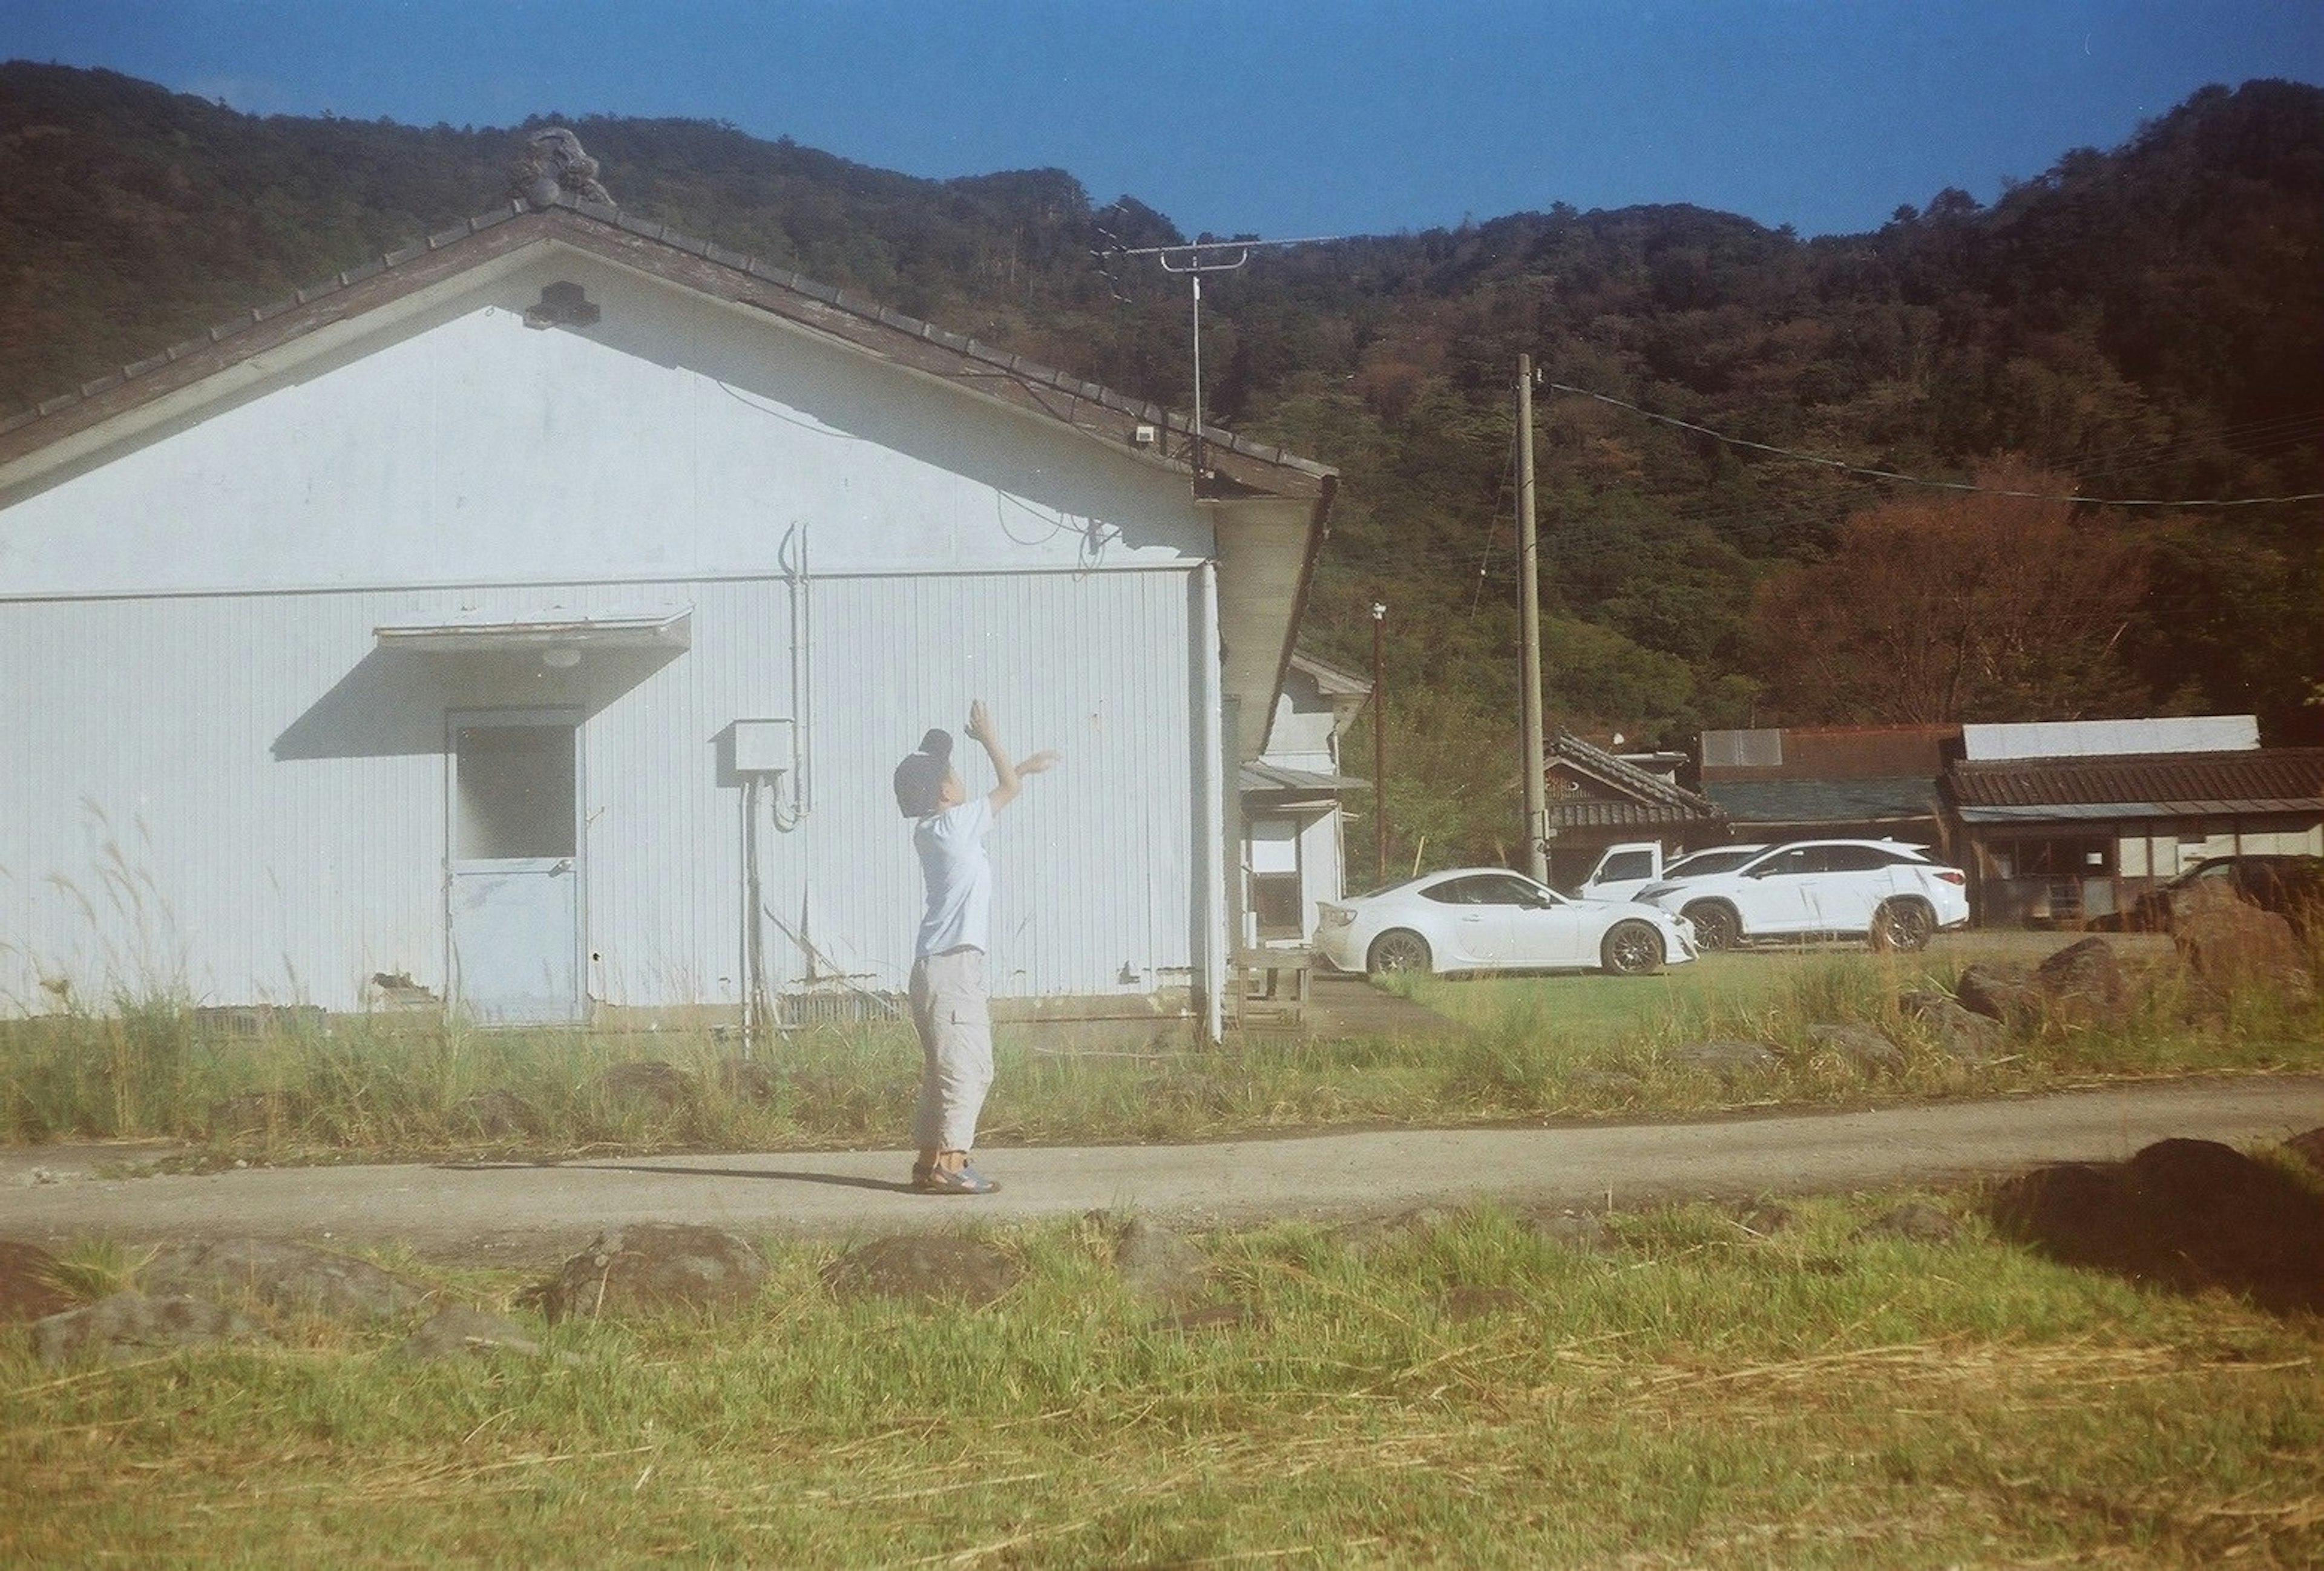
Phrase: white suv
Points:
(1884, 891)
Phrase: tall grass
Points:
(306, 1088)
(1467, 1392)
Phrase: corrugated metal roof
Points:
(2143, 785)
(2110, 738)
(1271, 777)
(1825, 801)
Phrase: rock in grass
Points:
(1160, 1266)
(458, 1331)
(1729, 1061)
(2181, 1214)
(1865, 1050)
(28, 1287)
(2084, 983)
(653, 1268)
(295, 1276)
(1916, 1221)
(2231, 944)
(2001, 991)
(1960, 1033)
(129, 1325)
(922, 1269)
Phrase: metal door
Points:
(515, 875)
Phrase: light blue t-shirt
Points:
(959, 877)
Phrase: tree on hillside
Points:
(1956, 605)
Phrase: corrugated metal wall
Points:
(243, 796)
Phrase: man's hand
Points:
(980, 722)
(1039, 763)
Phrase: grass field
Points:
(1520, 1047)
(1465, 1392)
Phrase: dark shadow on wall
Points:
(392, 702)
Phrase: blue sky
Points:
(1292, 118)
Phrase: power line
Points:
(1967, 485)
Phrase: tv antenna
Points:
(1192, 261)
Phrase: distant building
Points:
(1294, 828)
(1854, 782)
(2063, 823)
(1597, 798)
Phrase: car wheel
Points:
(1400, 950)
(1716, 926)
(1631, 949)
(1902, 925)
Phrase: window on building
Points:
(1277, 901)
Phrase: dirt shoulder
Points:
(525, 1212)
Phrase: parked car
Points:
(1627, 868)
(1887, 893)
(1489, 919)
(2290, 886)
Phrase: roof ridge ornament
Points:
(551, 165)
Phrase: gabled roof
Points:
(2161, 785)
(1330, 681)
(1620, 775)
(1237, 465)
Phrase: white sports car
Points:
(1489, 919)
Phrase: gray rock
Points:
(1727, 1060)
(2309, 1148)
(653, 1268)
(648, 1081)
(1866, 1050)
(2083, 983)
(294, 1277)
(2001, 991)
(922, 1269)
(1916, 1220)
(458, 1331)
(2231, 944)
(1961, 1034)
(129, 1325)
(1158, 1265)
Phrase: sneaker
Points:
(963, 1179)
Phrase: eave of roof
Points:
(1242, 465)
(2159, 784)
(1617, 774)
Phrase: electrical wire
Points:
(1964, 485)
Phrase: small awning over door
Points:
(476, 632)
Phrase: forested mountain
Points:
(2144, 323)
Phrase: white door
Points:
(1530, 926)
(515, 880)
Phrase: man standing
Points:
(951, 1007)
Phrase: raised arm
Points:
(1010, 775)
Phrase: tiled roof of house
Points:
(1646, 789)
(619, 237)
(2153, 784)
(1824, 802)
(1596, 813)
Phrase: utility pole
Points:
(1536, 795)
(1379, 738)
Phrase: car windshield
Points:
(1726, 859)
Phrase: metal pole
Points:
(1379, 738)
(1197, 280)
(1536, 795)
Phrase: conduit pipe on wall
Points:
(790, 816)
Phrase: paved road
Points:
(528, 1212)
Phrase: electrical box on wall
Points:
(763, 746)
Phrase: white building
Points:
(1293, 831)
(534, 617)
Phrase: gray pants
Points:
(954, 1016)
